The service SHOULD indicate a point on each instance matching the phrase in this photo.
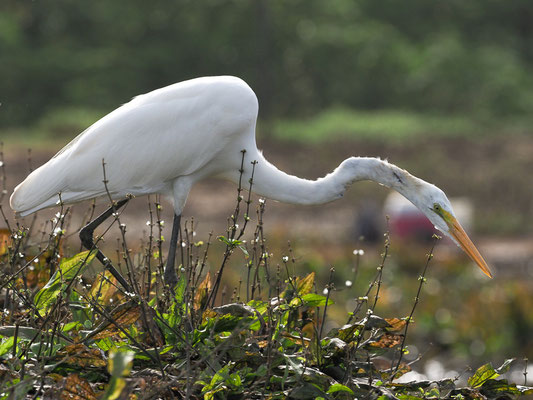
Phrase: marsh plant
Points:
(70, 331)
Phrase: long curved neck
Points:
(270, 182)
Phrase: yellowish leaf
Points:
(305, 285)
(104, 287)
(202, 292)
(396, 324)
(5, 237)
(80, 355)
(387, 341)
(123, 317)
(76, 388)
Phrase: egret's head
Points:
(436, 206)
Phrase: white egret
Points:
(167, 140)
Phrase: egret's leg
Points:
(171, 277)
(86, 237)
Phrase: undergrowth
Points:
(67, 334)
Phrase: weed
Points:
(67, 335)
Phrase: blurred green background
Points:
(443, 89)
(470, 58)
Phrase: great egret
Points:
(167, 140)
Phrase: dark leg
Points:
(86, 237)
(171, 277)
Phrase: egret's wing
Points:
(146, 144)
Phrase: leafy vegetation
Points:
(67, 334)
(391, 126)
(337, 123)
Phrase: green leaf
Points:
(38, 348)
(228, 322)
(6, 346)
(216, 384)
(176, 310)
(243, 249)
(433, 393)
(376, 322)
(234, 380)
(235, 309)
(497, 388)
(337, 387)
(295, 363)
(260, 306)
(24, 332)
(179, 290)
(119, 366)
(315, 300)
(223, 239)
(347, 333)
(120, 363)
(229, 242)
(306, 391)
(68, 270)
(483, 374)
(445, 387)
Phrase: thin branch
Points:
(421, 280)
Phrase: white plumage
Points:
(177, 131)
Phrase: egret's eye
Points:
(436, 207)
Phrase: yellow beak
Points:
(457, 231)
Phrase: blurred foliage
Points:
(288, 323)
(301, 56)
(337, 123)
(94, 341)
(463, 318)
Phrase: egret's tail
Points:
(39, 190)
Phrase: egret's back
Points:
(183, 129)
